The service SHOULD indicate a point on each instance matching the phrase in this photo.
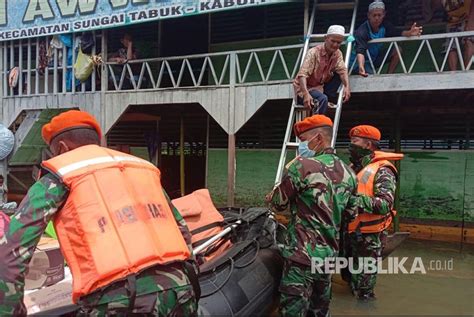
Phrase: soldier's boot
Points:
(366, 296)
(324, 312)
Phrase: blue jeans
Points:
(330, 94)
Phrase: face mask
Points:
(304, 151)
(357, 153)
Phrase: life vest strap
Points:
(374, 222)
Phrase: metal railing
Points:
(213, 69)
(252, 66)
(448, 41)
(36, 80)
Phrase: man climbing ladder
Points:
(321, 74)
(297, 111)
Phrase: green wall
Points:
(254, 178)
(433, 184)
(438, 185)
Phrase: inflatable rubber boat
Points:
(240, 265)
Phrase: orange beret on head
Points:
(366, 131)
(313, 122)
(69, 120)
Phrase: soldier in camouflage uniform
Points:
(364, 151)
(161, 290)
(316, 192)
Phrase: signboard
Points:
(33, 18)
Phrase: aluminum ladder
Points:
(298, 112)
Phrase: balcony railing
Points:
(263, 65)
(444, 42)
(34, 80)
(233, 68)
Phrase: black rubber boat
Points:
(243, 280)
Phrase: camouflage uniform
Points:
(161, 290)
(371, 244)
(316, 192)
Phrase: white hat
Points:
(377, 4)
(336, 30)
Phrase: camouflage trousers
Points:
(368, 245)
(174, 302)
(302, 291)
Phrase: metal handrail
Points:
(194, 56)
(248, 63)
(423, 37)
(245, 61)
(340, 96)
(424, 40)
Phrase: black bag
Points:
(87, 42)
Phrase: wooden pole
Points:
(207, 152)
(104, 76)
(231, 171)
(231, 161)
(157, 154)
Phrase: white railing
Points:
(452, 40)
(34, 80)
(213, 69)
(253, 66)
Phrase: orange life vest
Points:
(203, 220)
(116, 220)
(367, 222)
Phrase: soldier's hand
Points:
(268, 197)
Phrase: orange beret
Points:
(365, 131)
(313, 122)
(69, 120)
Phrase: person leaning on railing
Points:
(124, 54)
(460, 15)
(376, 27)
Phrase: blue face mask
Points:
(304, 151)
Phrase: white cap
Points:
(336, 30)
(377, 4)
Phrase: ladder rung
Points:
(292, 145)
(336, 6)
(299, 107)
